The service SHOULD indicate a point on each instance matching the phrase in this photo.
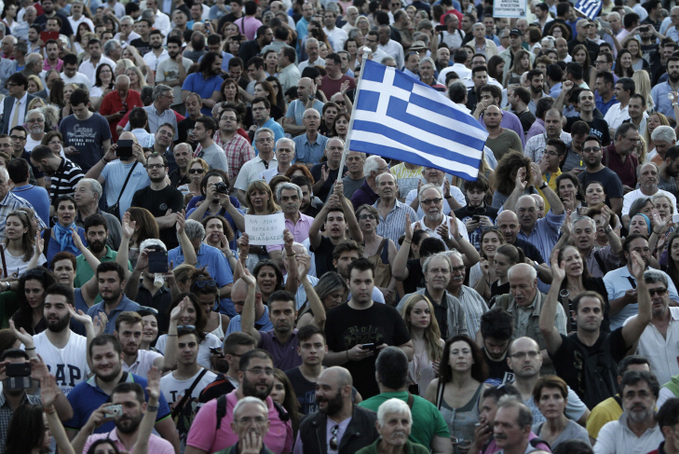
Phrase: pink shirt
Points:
(248, 26)
(157, 445)
(204, 435)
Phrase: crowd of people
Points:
(403, 310)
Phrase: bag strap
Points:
(384, 251)
(439, 393)
(221, 409)
(600, 261)
(411, 400)
(187, 395)
(129, 174)
(4, 263)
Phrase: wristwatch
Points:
(544, 185)
(608, 229)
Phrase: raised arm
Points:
(352, 222)
(520, 184)
(612, 235)
(399, 268)
(319, 220)
(555, 203)
(122, 258)
(633, 329)
(49, 393)
(149, 419)
(247, 324)
(236, 215)
(548, 313)
(37, 252)
(189, 252)
(315, 303)
(132, 285)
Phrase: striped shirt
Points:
(536, 145)
(394, 225)
(65, 178)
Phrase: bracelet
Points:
(49, 410)
(29, 348)
(407, 241)
(152, 408)
(291, 255)
(105, 161)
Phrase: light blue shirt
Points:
(234, 324)
(309, 152)
(545, 234)
(662, 102)
(297, 108)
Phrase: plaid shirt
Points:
(238, 152)
(6, 413)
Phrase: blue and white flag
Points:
(401, 118)
(589, 8)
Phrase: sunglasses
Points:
(153, 310)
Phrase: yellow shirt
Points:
(551, 181)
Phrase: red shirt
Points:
(330, 86)
(113, 104)
(627, 171)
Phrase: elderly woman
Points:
(394, 422)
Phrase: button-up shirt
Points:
(251, 171)
(662, 102)
(393, 225)
(153, 60)
(616, 115)
(6, 413)
(444, 220)
(89, 70)
(474, 307)
(47, 67)
(157, 120)
(10, 203)
(545, 234)
(125, 304)
(662, 350)
(238, 151)
(616, 437)
(308, 152)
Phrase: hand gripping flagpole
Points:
(353, 113)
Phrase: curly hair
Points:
(506, 169)
(479, 368)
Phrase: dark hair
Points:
(105, 267)
(606, 76)
(479, 368)
(575, 69)
(430, 246)
(18, 170)
(497, 392)
(573, 447)
(239, 338)
(266, 102)
(79, 96)
(632, 377)
(19, 79)
(305, 333)
(60, 289)
(104, 339)
(391, 366)
(138, 118)
(207, 61)
(26, 429)
(127, 387)
(201, 317)
(619, 70)
(628, 84)
(498, 324)
(481, 184)
(252, 354)
(523, 94)
(346, 246)
(627, 361)
(543, 106)
(630, 19)
(95, 220)
(668, 415)
(283, 295)
(213, 173)
(580, 128)
(594, 138)
(23, 317)
(15, 353)
(361, 264)
(208, 123)
(97, 77)
(494, 91)
(562, 9)
(549, 382)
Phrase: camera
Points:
(222, 188)
(112, 411)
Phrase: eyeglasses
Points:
(591, 149)
(248, 420)
(430, 201)
(35, 120)
(17, 138)
(148, 309)
(333, 440)
(521, 355)
(260, 371)
(264, 139)
(155, 166)
(657, 291)
(198, 171)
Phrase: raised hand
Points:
(558, 272)
(244, 244)
(520, 181)
(408, 229)
(446, 188)
(143, 260)
(288, 239)
(80, 316)
(485, 267)
(537, 174)
(325, 173)
(638, 266)
(100, 322)
(21, 334)
(153, 388)
(77, 241)
(246, 275)
(454, 229)
(443, 231)
(39, 244)
(48, 390)
(339, 189)
(128, 225)
(303, 266)
(179, 309)
(181, 221)
(38, 368)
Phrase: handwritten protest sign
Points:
(265, 230)
(509, 8)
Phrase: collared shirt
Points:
(662, 102)
(142, 363)
(545, 234)
(608, 258)
(616, 437)
(153, 60)
(65, 179)
(631, 196)
(538, 127)
(251, 171)
(444, 220)
(6, 413)
(156, 445)
(604, 106)
(289, 76)
(262, 324)
(299, 229)
(535, 146)
(10, 203)
(616, 115)
(285, 356)
(474, 307)
(125, 304)
(627, 171)
(308, 152)
(393, 225)
(156, 120)
(296, 110)
(90, 71)
(393, 49)
(22, 105)
(661, 350)
(238, 151)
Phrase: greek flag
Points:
(398, 117)
(589, 8)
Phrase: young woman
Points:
(496, 67)
(60, 237)
(270, 58)
(331, 289)
(379, 251)
(103, 85)
(149, 335)
(145, 227)
(264, 89)
(642, 86)
(31, 295)
(278, 92)
(197, 170)
(137, 81)
(482, 274)
(284, 394)
(341, 126)
(219, 234)
(623, 64)
(672, 267)
(551, 396)
(351, 46)
(521, 65)
(28, 432)
(653, 121)
(418, 314)
(34, 84)
(595, 196)
(568, 189)
(581, 55)
(66, 105)
(634, 47)
(457, 390)
(18, 251)
(230, 92)
(80, 42)
(205, 288)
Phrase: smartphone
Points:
(441, 28)
(475, 218)
(369, 347)
(112, 411)
(18, 369)
(124, 149)
(46, 36)
(158, 262)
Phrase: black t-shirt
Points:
(158, 202)
(142, 46)
(317, 173)
(591, 372)
(529, 250)
(527, 119)
(379, 324)
(415, 278)
(498, 370)
(323, 254)
(177, 180)
(304, 389)
(598, 127)
(608, 179)
(161, 301)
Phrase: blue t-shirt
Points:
(87, 137)
(39, 198)
(87, 397)
(196, 83)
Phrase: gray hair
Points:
(159, 90)
(371, 165)
(38, 111)
(332, 6)
(194, 230)
(525, 416)
(311, 110)
(428, 60)
(353, 33)
(11, 38)
(438, 255)
(310, 41)
(262, 130)
(111, 45)
(125, 19)
(428, 186)
(251, 400)
(3, 27)
(532, 272)
(478, 25)
(584, 218)
(664, 133)
(393, 406)
(653, 276)
(33, 58)
(149, 242)
(288, 186)
(614, 14)
(123, 79)
(95, 186)
(662, 195)
(148, 14)
(285, 139)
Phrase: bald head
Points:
(524, 342)
(127, 135)
(337, 375)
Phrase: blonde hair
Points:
(642, 86)
(432, 334)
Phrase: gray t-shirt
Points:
(573, 431)
(215, 157)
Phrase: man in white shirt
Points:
(460, 57)
(158, 52)
(162, 21)
(648, 187)
(76, 17)
(129, 328)
(71, 75)
(89, 67)
(389, 46)
(337, 35)
(126, 34)
(618, 113)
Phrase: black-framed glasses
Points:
(333, 440)
(591, 150)
(155, 166)
(17, 138)
(153, 310)
(657, 291)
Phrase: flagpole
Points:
(353, 115)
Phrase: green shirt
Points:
(410, 448)
(84, 272)
(427, 420)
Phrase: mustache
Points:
(500, 436)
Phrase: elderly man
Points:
(620, 158)
(118, 102)
(512, 426)
(126, 34)
(648, 187)
(392, 212)
(354, 179)
(252, 169)
(449, 229)
(293, 122)
(159, 111)
(326, 174)
(525, 302)
(394, 423)
(553, 130)
(251, 424)
(310, 145)
(483, 45)
(472, 302)
(663, 138)
(312, 50)
(285, 154)
(454, 198)
(352, 427)
(365, 194)
(389, 46)
(88, 192)
(289, 197)
(35, 121)
(637, 428)
(430, 429)
(34, 65)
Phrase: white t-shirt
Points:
(69, 364)
(173, 388)
(17, 264)
(143, 363)
(203, 348)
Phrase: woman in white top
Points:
(205, 288)
(103, 85)
(18, 250)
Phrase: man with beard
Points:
(89, 66)
(430, 429)
(159, 112)
(118, 102)
(648, 187)
(64, 174)
(158, 52)
(206, 82)
(35, 120)
(669, 170)
(637, 428)
(97, 233)
(143, 43)
(497, 329)
(129, 328)
(211, 429)
(622, 294)
(209, 151)
(355, 426)
(237, 149)
(61, 349)
(439, 225)
(659, 93)
(173, 70)
(592, 155)
(49, 12)
(596, 381)
(89, 398)
(87, 194)
(161, 199)
(535, 146)
(111, 279)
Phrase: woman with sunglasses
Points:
(197, 170)
(19, 251)
(205, 288)
(186, 311)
